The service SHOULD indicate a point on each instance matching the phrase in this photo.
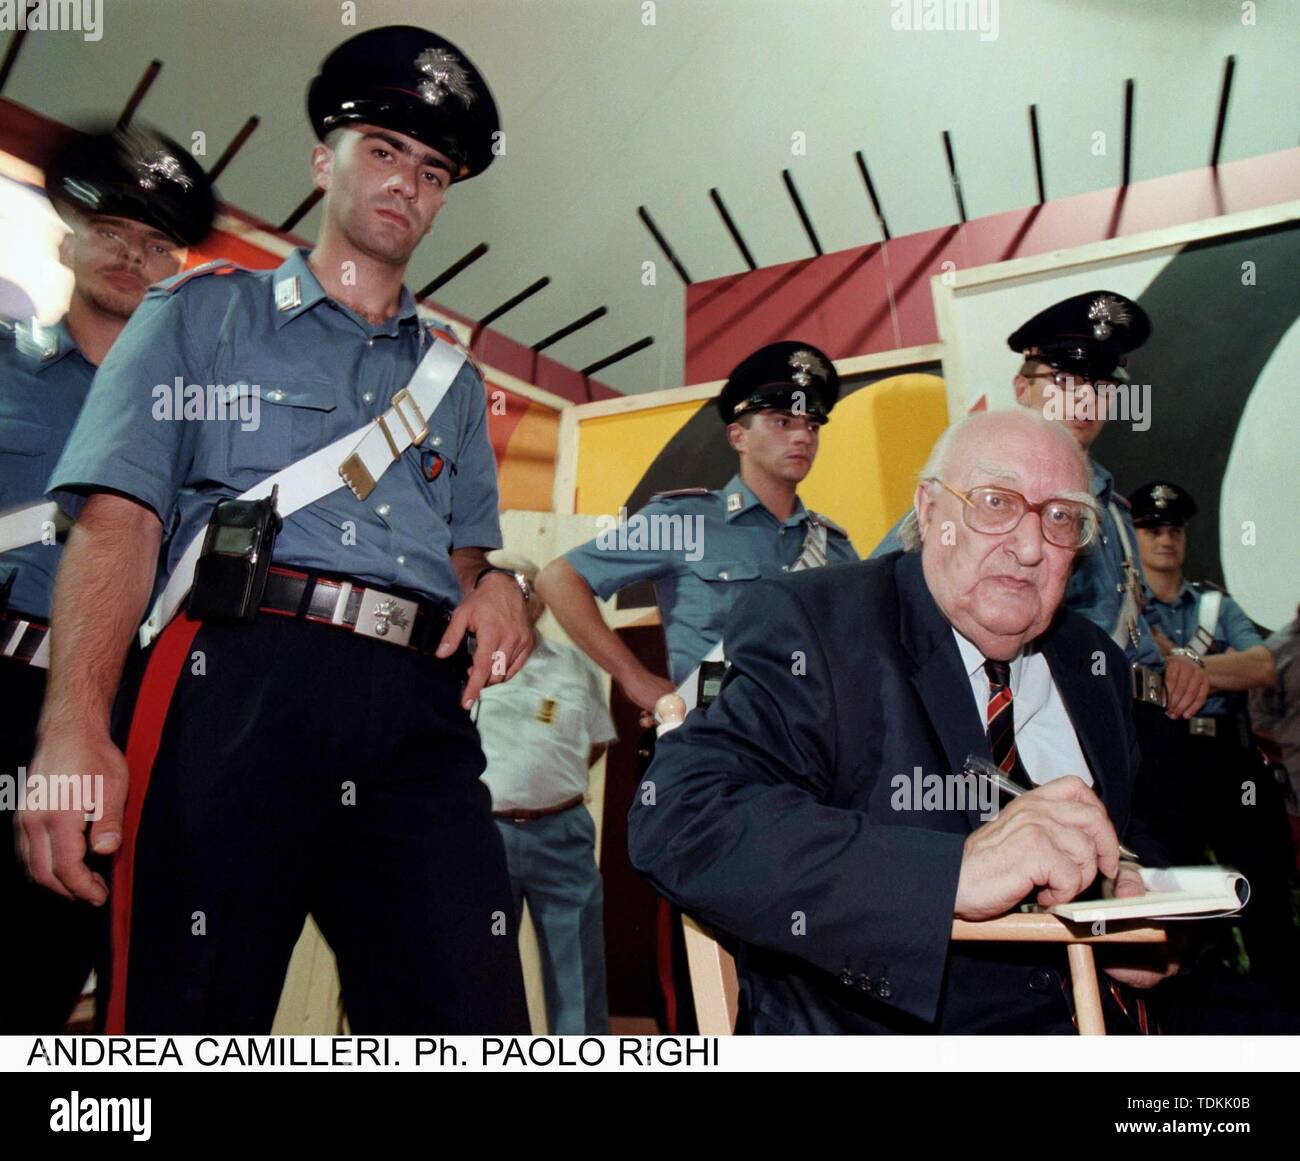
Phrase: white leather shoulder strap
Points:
(28, 523)
(1207, 620)
(1125, 630)
(357, 459)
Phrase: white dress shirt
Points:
(1045, 738)
(538, 728)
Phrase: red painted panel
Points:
(841, 302)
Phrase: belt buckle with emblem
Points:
(386, 617)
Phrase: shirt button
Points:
(436, 441)
(883, 989)
(369, 396)
(846, 978)
(370, 342)
(383, 509)
(401, 560)
(275, 395)
(724, 574)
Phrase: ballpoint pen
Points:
(983, 768)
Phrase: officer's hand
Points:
(1054, 838)
(495, 613)
(1162, 642)
(52, 843)
(1186, 687)
(1134, 964)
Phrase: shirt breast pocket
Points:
(724, 572)
(27, 453)
(272, 422)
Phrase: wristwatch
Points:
(525, 585)
(1190, 654)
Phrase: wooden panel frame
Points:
(946, 289)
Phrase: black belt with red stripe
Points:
(21, 636)
(395, 618)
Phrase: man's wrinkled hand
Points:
(1055, 838)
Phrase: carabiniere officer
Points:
(305, 748)
(1221, 795)
(133, 201)
(773, 407)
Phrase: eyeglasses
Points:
(1075, 384)
(1066, 523)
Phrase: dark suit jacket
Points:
(770, 818)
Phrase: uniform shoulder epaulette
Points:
(678, 493)
(829, 524)
(439, 330)
(216, 266)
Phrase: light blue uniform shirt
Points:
(1096, 586)
(316, 371)
(700, 550)
(44, 379)
(1178, 620)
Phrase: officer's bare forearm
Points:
(468, 563)
(1248, 669)
(104, 582)
(570, 598)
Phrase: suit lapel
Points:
(1102, 747)
(939, 678)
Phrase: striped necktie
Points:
(1000, 717)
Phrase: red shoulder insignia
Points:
(216, 266)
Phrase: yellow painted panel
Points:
(871, 451)
(865, 473)
(615, 451)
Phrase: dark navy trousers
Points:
(281, 769)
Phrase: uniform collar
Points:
(738, 498)
(1185, 595)
(45, 346)
(295, 289)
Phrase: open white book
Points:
(1172, 893)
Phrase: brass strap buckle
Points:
(415, 434)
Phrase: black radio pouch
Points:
(230, 576)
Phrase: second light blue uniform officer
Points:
(132, 200)
(1222, 796)
(701, 547)
(729, 539)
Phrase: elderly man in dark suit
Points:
(788, 815)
